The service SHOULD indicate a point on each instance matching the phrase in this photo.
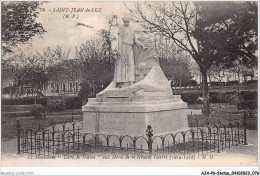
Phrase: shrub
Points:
(73, 102)
(232, 83)
(232, 98)
(84, 91)
(215, 97)
(18, 114)
(51, 102)
(56, 104)
(247, 105)
(192, 83)
(191, 98)
(217, 83)
(252, 82)
(222, 97)
(25, 101)
(247, 101)
(248, 95)
(38, 112)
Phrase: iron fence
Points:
(68, 138)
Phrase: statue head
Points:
(126, 20)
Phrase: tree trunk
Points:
(93, 88)
(84, 102)
(205, 93)
(238, 81)
(16, 88)
(180, 80)
(210, 80)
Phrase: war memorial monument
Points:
(139, 95)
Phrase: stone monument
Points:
(139, 95)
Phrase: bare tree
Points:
(18, 67)
(217, 72)
(175, 21)
(173, 62)
(93, 65)
(58, 65)
(212, 33)
(108, 36)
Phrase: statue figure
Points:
(137, 69)
(125, 66)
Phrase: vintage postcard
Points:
(167, 83)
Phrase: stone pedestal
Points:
(132, 118)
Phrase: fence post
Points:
(73, 123)
(218, 137)
(198, 140)
(52, 124)
(149, 134)
(193, 140)
(244, 124)
(18, 126)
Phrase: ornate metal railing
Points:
(67, 138)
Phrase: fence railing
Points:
(67, 138)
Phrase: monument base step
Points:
(132, 118)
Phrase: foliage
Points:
(25, 101)
(84, 91)
(247, 105)
(218, 72)
(232, 98)
(69, 102)
(217, 83)
(211, 32)
(232, 83)
(93, 65)
(18, 20)
(54, 56)
(220, 97)
(252, 82)
(247, 101)
(244, 100)
(73, 102)
(56, 104)
(108, 37)
(23, 69)
(36, 78)
(58, 64)
(192, 83)
(38, 112)
(227, 32)
(191, 98)
(175, 21)
(37, 69)
(237, 69)
(173, 63)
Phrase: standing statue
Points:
(125, 66)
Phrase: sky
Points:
(63, 31)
